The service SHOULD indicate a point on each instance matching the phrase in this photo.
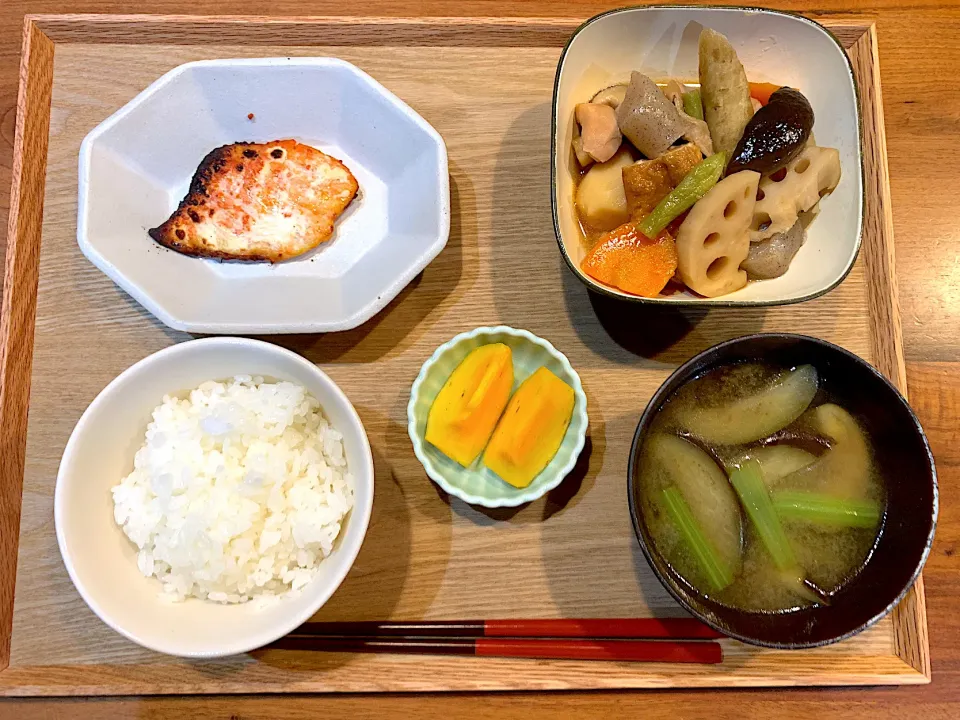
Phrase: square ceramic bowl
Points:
(102, 561)
(476, 484)
(773, 46)
(135, 168)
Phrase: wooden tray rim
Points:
(910, 664)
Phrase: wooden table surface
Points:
(919, 54)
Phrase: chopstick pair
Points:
(678, 640)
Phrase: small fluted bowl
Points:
(477, 484)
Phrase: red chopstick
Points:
(624, 628)
(705, 653)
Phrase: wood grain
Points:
(266, 30)
(883, 299)
(426, 556)
(917, 41)
(920, 50)
(874, 703)
(19, 286)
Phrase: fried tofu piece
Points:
(648, 182)
(259, 202)
(645, 184)
(681, 161)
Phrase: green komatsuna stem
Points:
(826, 510)
(715, 570)
(747, 480)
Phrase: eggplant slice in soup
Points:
(755, 416)
(676, 462)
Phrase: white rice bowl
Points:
(238, 493)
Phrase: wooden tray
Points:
(486, 85)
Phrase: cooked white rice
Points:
(238, 492)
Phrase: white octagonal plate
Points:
(136, 166)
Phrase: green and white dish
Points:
(477, 484)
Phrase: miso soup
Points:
(760, 491)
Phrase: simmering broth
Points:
(758, 490)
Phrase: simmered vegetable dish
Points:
(706, 185)
(758, 490)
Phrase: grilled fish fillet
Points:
(251, 201)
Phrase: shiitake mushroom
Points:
(775, 134)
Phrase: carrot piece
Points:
(627, 259)
(763, 91)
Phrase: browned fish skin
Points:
(259, 202)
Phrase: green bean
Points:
(692, 105)
(694, 186)
(715, 570)
(826, 510)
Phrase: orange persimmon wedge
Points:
(462, 418)
(531, 429)
(627, 259)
